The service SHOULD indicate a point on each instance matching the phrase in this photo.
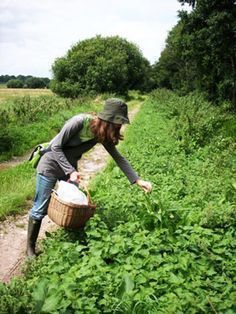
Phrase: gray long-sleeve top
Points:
(67, 148)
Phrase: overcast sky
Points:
(33, 33)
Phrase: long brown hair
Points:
(105, 131)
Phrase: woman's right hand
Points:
(75, 176)
(146, 186)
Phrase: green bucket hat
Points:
(114, 111)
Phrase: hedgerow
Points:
(27, 121)
(168, 252)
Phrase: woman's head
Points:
(114, 111)
(106, 131)
(106, 127)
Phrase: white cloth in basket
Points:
(68, 192)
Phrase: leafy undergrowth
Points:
(168, 252)
(27, 121)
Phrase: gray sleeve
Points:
(123, 163)
(71, 127)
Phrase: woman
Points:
(59, 161)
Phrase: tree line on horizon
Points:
(24, 81)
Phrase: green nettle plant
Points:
(99, 65)
(171, 251)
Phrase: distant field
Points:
(6, 93)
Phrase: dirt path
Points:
(14, 161)
(13, 231)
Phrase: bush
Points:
(14, 84)
(98, 65)
(6, 141)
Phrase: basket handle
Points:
(88, 194)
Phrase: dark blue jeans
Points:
(44, 186)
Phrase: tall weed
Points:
(195, 120)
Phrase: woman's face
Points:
(117, 126)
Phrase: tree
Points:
(211, 32)
(34, 82)
(14, 84)
(6, 78)
(26, 81)
(170, 66)
(200, 52)
(46, 81)
(100, 64)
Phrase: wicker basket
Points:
(69, 215)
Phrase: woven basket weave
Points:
(69, 215)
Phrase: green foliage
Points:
(10, 303)
(27, 121)
(34, 82)
(15, 84)
(98, 65)
(196, 121)
(28, 81)
(17, 188)
(6, 78)
(190, 2)
(200, 52)
(168, 252)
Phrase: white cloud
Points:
(34, 33)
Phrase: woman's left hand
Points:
(144, 185)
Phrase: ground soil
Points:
(13, 231)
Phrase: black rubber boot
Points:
(33, 231)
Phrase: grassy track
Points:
(168, 252)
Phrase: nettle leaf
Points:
(80, 248)
(128, 267)
(140, 279)
(39, 294)
(52, 303)
(114, 250)
(129, 284)
(176, 279)
(94, 234)
(126, 286)
(116, 172)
